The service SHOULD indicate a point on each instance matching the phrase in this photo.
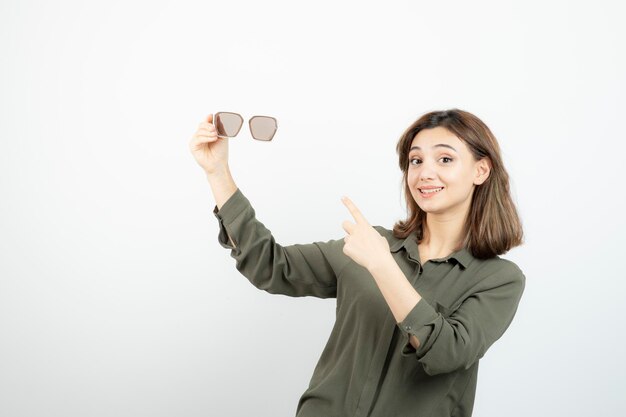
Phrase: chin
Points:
(430, 207)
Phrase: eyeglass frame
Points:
(249, 125)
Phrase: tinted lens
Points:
(263, 127)
(228, 124)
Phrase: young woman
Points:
(417, 306)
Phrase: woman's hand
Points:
(363, 243)
(209, 150)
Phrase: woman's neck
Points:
(442, 235)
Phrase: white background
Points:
(116, 298)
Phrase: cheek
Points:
(458, 185)
(412, 176)
(455, 177)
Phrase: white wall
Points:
(116, 298)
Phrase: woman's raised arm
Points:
(296, 270)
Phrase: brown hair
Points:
(493, 225)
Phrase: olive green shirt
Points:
(369, 367)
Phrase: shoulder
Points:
(387, 233)
(383, 230)
(497, 270)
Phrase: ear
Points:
(482, 169)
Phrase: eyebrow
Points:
(439, 145)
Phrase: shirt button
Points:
(407, 328)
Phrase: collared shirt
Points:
(368, 366)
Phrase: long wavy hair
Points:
(493, 225)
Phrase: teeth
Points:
(436, 190)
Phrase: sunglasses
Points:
(228, 124)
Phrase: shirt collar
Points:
(462, 256)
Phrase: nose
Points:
(427, 172)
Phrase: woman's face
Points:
(440, 159)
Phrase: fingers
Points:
(206, 130)
(204, 135)
(348, 226)
(356, 213)
(206, 125)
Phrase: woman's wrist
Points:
(218, 174)
(222, 185)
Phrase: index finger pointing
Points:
(356, 213)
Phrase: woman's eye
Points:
(415, 159)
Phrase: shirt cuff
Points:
(231, 209)
(419, 323)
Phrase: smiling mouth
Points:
(429, 192)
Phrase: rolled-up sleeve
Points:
(457, 339)
(295, 270)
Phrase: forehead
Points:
(426, 138)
